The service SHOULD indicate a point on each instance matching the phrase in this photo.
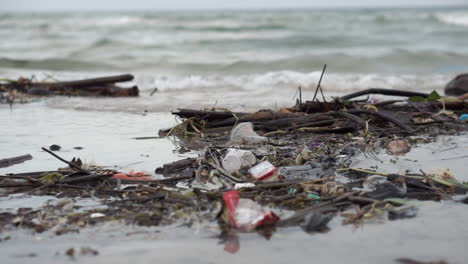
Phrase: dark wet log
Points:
(104, 90)
(206, 114)
(253, 117)
(383, 91)
(85, 178)
(14, 160)
(292, 122)
(85, 82)
(176, 166)
(320, 107)
(349, 116)
(103, 86)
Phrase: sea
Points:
(237, 59)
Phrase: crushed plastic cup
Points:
(265, 171)
(235, 159)
(245, 214)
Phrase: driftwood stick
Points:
(206, 114)
(383, 116)
(14, 160)
(71, 164)
(383, 92)
(83, 178)
(318, 85)
(349, 116)
(35, 174)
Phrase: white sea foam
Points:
(459, 18)
(246, 92)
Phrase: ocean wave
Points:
(459, 18)
(230, 28)
(247, 92)
(53, 64)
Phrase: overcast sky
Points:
(59, 5)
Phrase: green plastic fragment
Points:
(397, 201)
(52, 177)
(432, 97)
(292, 191)
(313, 196)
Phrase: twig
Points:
(349, 116)
(383, 116)
(71, 164)
(318, 85)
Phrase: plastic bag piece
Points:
(316, 222)
(245, 214)
(402, 213)
(243, 133)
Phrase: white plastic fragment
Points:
(235, 159)
(243, 133)
(444, 174)
(97, 215)
(243, 185)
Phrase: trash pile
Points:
(261, 171)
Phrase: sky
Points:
(65, 5)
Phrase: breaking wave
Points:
(459, 19)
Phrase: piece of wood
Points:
(206, 114)
(383, 116)
(14, 160)
(85, 82)
(383, 91)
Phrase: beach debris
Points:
(83, 251)
(316, 222)
(370, 183)
(387, 190)
(4, 163)
(235, 159)
(297, 172)
(457, 86)
(55, 147)
(398, 147)
(402, 213)
(265, 171)
(412, 261)
(243, 133)
(464, 117)
(294, 161)
(238, 186)
(443, 173)
(96, 215)
(134, 176)
(245, 214)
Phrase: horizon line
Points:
(295, 8)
